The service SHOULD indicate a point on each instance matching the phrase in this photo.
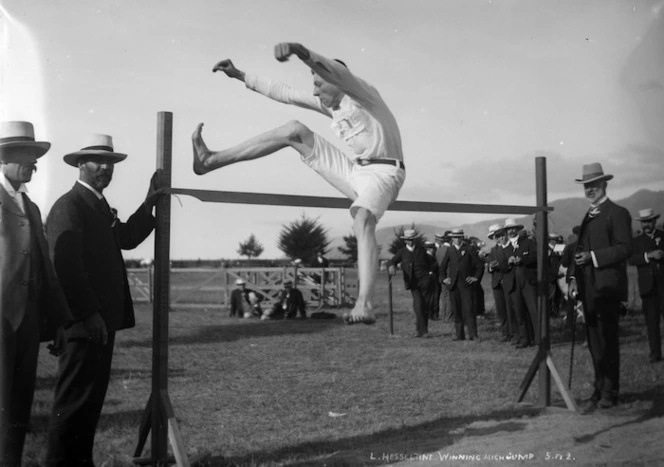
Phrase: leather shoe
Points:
(606, 403)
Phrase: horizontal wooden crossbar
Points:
(273, 199)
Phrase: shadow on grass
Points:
(129, 419)
(654, 395)
(233, 332)
(376, 449)
(48, 382)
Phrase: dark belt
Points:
(394, 162)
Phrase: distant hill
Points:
(567, 213)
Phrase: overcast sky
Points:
(479, 88)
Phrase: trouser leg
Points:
(651, 309)
(18, 369)
(83, 378)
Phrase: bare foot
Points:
(201, 151)
(359, 315)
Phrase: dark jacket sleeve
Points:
(130, 234)
(64, 231)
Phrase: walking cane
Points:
(389, 302)
(571, 353)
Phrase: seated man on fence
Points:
(371, 174)
(290, 303)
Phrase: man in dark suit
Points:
(598, 277)
(497, 260)
(522, 261)
(433, 294)
(239, 299)
(417, 267)
(32, 304)
(648, 257)
(86, 239)
(459, 272)
(442, 244)
(290, 303)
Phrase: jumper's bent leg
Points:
(293, 134)
(364, 227)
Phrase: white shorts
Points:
(372, 187)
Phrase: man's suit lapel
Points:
(91, 200)
(8, 203)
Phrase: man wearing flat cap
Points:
(86, 238)
(648, 257)
(32, 304)
(598, 278)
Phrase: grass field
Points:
(317, 392)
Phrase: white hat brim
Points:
(41, 147)
(113, 157)
(590, 180)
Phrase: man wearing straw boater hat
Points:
(86, 238)
(521, 280)
(461, 268)
(496, 263)
(648, 257)
(417, 267)
(239, 299)
(32, 305)
(598, 278)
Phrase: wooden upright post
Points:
(543, 360)
(542, 238)
(159, 416)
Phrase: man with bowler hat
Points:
(648, 257)
(417, 267)
(86, 238)
(32, 304)
(598, 277)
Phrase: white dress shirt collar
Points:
(14, 193)
(97, 194)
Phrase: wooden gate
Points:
(320, 287)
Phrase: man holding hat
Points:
(418, 268)
(496, 262)
(648, 257)
(86, 238)
(598, 278)
(460, 270)
(32, 304)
